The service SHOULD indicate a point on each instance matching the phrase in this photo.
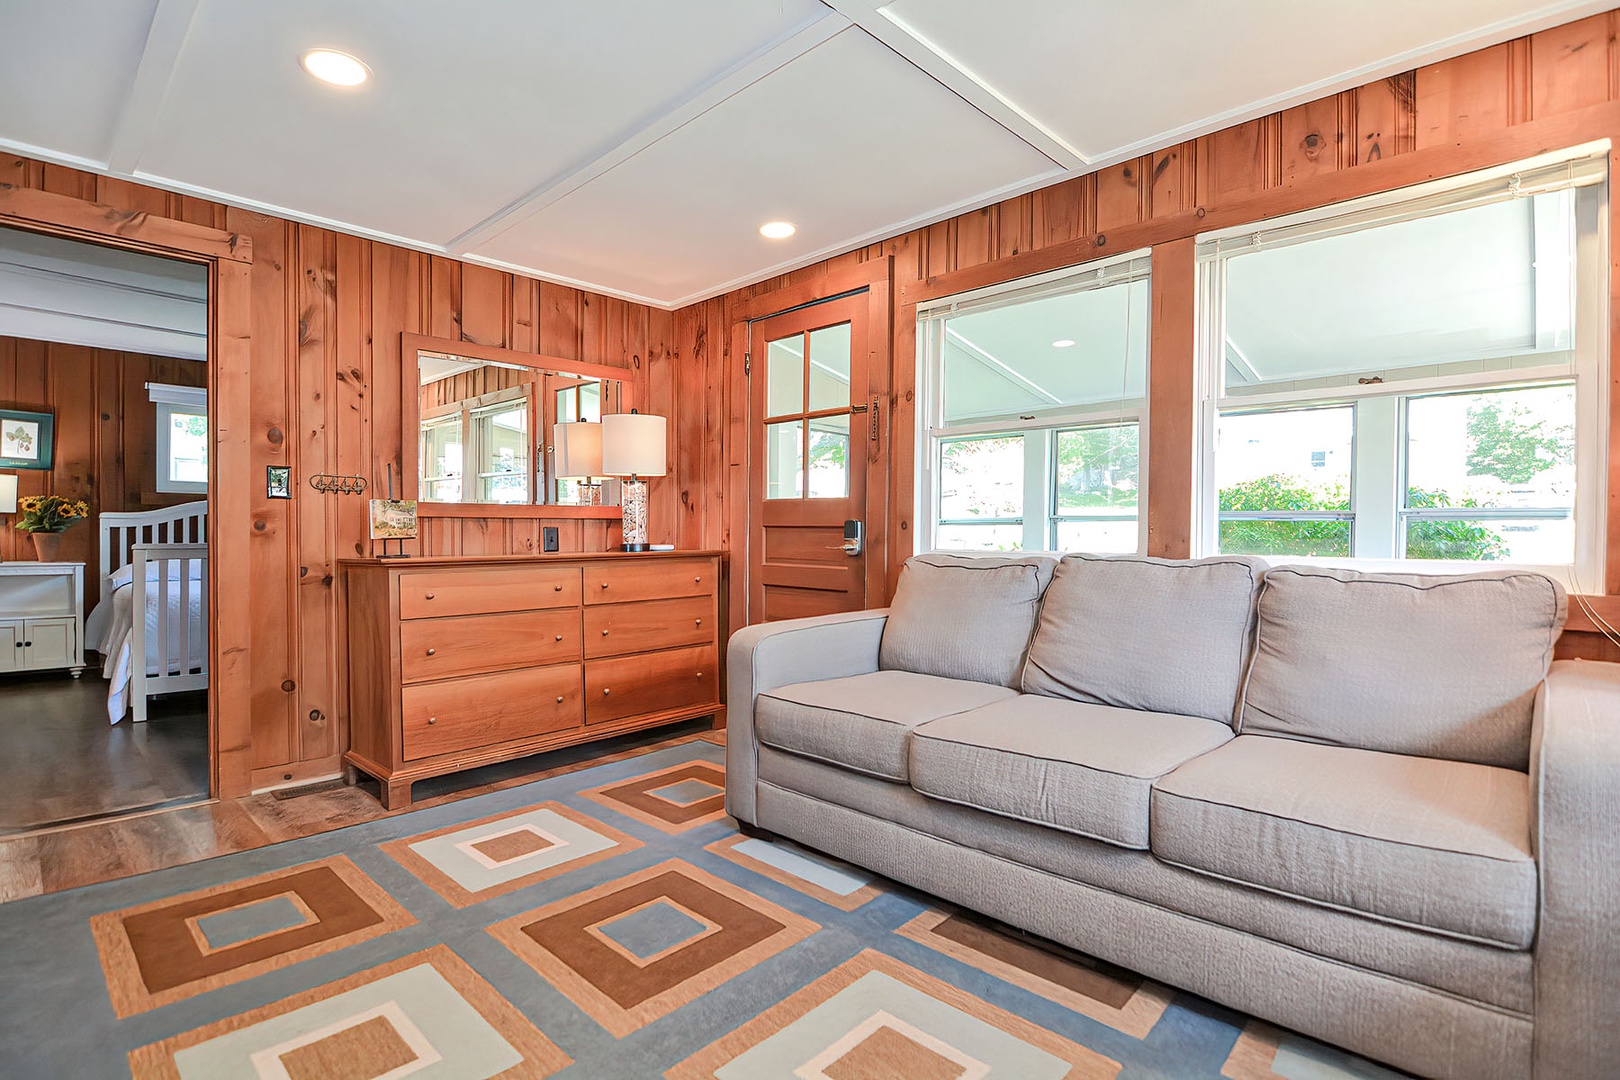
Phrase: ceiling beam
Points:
(939, 65)
(619, 150)
(170, 24)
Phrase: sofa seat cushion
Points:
(1439, 845)
(1082, 768)
(862, 722)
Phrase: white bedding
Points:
(111, 628)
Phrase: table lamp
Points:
(8, 493)
(633, 446)
(577, 455)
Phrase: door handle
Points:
(854, 537)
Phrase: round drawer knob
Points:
(433, 652)
(700, 674)
(698, 621)
(605, 691)
(559, 699)
(559, 637)
(604, 584)
(697, 581)
(604, 633)
(432, 720)
(556, 588)
(428, 596)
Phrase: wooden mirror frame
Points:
(410, 410)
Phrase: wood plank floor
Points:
(63, 858)
(66, 762)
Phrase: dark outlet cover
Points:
(549, 538)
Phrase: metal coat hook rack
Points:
(329, 484)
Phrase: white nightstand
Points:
(41, 616)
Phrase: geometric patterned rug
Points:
(606, 923)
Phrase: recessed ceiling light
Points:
(1063, 343)
(336, 68)
(778, 230)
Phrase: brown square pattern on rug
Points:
(369, 1049)
(622, 995)
(632, 797)
(151, 957)
(1124, 1001)
(887, 1052)
(512, 845)
(372, 1047)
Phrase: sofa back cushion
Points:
(1161, 635)
(1443, 667)
(964, 618)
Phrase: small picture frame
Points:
(278, 481)
(393, 519)
(27, 439)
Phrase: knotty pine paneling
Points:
(106, 436)
(327, 314)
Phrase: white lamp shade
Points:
(8, 493)
(633, 444)
(577, 450)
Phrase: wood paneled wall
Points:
(1555, 89)
(328, 311)
(106, 436)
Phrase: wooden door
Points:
(809, 425)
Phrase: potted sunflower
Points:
(45, 517)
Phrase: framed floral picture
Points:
(27, 439)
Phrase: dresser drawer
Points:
(614, 629)
(431, 594)
(484, 710)
(655, 579)
(650, 683)
(470, 644)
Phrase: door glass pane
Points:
(829, 457)
(1097, 468)
(784, 376)
(784, 460)
(982, 478)
(829, 368)
(590, 402)
(1503, 448)
(1295, 459)
(567, 405)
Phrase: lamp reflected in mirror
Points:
(576, 455)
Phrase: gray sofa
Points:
(1366, 807)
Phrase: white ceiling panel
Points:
(65, 68)
(1111, 78)
(846, 141)
(468, 108)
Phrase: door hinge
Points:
(748, 364)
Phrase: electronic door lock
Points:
(854, 537)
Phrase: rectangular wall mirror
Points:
(487, 426)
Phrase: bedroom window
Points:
(182, 437)
(1417, 377)
(1035, 403)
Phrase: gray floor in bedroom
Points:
(61, 761)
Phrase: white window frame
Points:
(1039, 429)
(1583, 167)
(171, 401)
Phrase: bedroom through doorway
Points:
(104, 489)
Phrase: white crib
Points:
(166, 553)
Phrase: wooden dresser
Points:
(458, 662)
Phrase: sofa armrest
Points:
(1575, 830)
(764, 657)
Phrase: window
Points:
(1035, 395)
(182, 437)
(1416, 377)
(488, 434)
(808, 406)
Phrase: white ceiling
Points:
(634, 146)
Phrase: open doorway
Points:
(104, 495)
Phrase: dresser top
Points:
(415, 562)
(29, 566)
